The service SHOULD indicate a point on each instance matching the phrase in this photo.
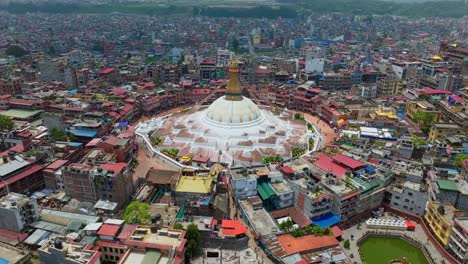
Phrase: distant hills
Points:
(286, 8)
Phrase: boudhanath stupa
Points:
(233, 129)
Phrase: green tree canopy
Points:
(235, 45)
(459, 158)
(424, 120)
(137, 212)
(193, 240)
(6, 125)
(16, 51)
(58, 134)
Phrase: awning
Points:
(265, 191)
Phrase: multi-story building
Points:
(243, 183)
(439, 130)
(17, 211)
(409, 197)
(390, 86)
(310, 198)
(439, 219)
(333, 81)
(365, 91)
(419, 106)
(458, 241)
(58, 251)
(223, 58)
(18, 175)
(207, 70)
(11, 86)
(110, 181)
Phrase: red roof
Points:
(108, 230)
(328, 164)
(16, 148)
(337, 232)
(233, 228)
(430, 91)
(106, 71)
(309, 243)
(127, 231)
(126, 109)
(287, 170)
(116, 167)
(33, 169)
(94, 142)
(57, 164)
(9, 235)
(348, 162)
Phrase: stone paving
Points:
(417, 235)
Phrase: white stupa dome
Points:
(228, 112)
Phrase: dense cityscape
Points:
(233, 132)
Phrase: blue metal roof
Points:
(327, 220)
(3, 261)
(83, 133)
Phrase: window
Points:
(396, 204)
(406, 207)
(410, 193)
(397, 197)
(406, 200)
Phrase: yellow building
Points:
(390, 87)
(439, 219)
(193, 187)
(439, 130)
(414, 107)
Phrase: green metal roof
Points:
(447, 185)
(21, 113)
(151, 257)
(265, 191)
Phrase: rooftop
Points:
(447, 185)
(304, 244)
(261, 221)
(10, 165)
(108, 230)
(162, 239)
(194, 184)
(76, 252)
(10, 256)
(21, 113)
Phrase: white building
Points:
(17, 211)
(409, 197)
(243, 183)
(223, 58)
(458, 241)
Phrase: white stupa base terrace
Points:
(201, 138)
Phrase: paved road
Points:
(328, 133)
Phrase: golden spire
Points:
(233, 91)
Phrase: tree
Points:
(98, 48)
(297, 232)
(235, 45)
(179, 226)
(347, 244)
(16, 51)
(58, 134)
(193, 240)
(6, 125)
(424, 97)
(459, 158)
(424, 120)
(287, 225)
(137, 212)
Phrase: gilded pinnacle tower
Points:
(233, 91)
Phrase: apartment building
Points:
(17, 211)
